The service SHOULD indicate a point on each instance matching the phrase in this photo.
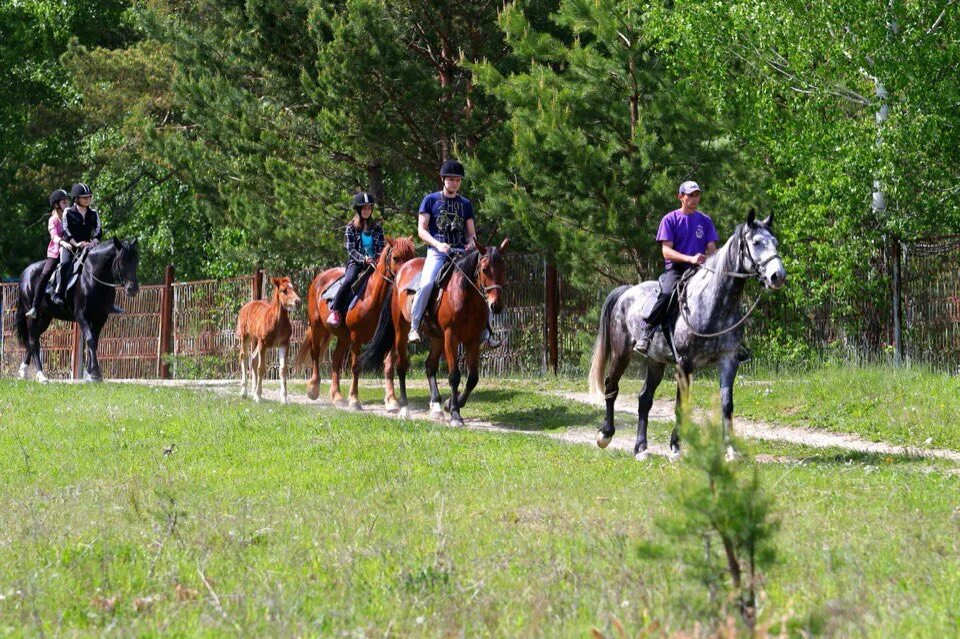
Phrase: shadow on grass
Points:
(835, 457)
(518, 409)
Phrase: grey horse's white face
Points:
(762, 247)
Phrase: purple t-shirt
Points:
(689, 233)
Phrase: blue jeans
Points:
(428, 277)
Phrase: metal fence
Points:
(547, 324)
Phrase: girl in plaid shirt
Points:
(364, 241)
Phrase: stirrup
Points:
(32, 313)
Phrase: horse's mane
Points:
(732, 253)
(403, 246)
(468, 264)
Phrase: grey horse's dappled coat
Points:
(711, 299)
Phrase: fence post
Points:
(257, 291)
(75, 353)
(897, 296)
(553, 314)
(166, 324)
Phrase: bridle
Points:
(476, 276)
(756, 271)
(114, 268)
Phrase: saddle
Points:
(443, 278)
(359, 288)
(74, 276)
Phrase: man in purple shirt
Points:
(686, 237)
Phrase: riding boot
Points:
(744, 354)
(646, 335)
(61, 290)
(489, 339)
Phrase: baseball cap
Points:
(689, 187)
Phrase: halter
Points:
(386, 266)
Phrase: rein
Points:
(113, 268)
(486, 289)
(755, 272)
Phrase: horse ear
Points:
(480, 247)
(504, 244)
(388, 240)
(133, 242)
(276, 281)
(751, 217)
(768, 222)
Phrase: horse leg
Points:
(339, 354)
(611, 388)
(644, 403)
(684, 384)
(244, 354)
(450, 344)
(261, 367)
(431, 367)
(389, 370)
(317, 333)
(472, 362)
(90, 339)
(403, 365)
(283, 374)
(355, 382)
(728, 372)
(36, 329)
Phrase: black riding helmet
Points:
(362, 199)
(58, 195)
(80, 190)
(451, 168)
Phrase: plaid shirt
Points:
(355, 244)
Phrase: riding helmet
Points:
(80, 190)
(451, 168)
(362, 199)
(58, 195)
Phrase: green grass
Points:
(328, 523)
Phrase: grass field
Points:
(289, 520)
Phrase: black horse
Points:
(89, 302)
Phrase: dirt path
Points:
(662, 410)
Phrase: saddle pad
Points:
(331, 291)
(650, 301)
(442, 278)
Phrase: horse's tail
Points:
(23, 333)
(313, 346)
(383, 339)
(601, 348)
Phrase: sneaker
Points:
(490, 341)
(57, 299)
(333, 319)
(744, 354)
(414, 336)
(643, 344)
(32, 313)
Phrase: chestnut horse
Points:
(474, 289)
(264, 325)
(358, 324)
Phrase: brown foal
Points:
(262, 325)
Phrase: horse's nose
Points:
(778, 278)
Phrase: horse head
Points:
(491, 273)
(125, 263)
(399, 250)
(285, 293)
(759, 251)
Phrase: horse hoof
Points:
(23, 371)
(674, 454)
(456, 421)
(435, 408)
(313, 392)
(446, 406)
(602, 440)
(391, 406)
(257, 398)
(732, 455)
(285, 400)
(340, 402)
(404, 413)
(355, 405)
(642, 456)
(41, 377)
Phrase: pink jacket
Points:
(55, 227)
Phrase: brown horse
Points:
(358, 325)
(474, 289)
(267, 325)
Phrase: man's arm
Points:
(471, 232)
(674, 255)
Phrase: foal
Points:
(267, 325)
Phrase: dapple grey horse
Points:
(709, 329)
